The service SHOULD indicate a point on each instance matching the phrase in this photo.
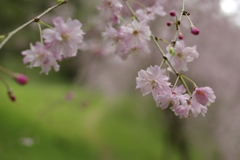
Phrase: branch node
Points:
(185, 13)
(165, 58)
(36, 20)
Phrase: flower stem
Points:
(4, 82)
(160, 39)
(137, 3)
(180, 18)
(163, 54)
(40, 31)
(189, 20)
(166, 66)
(175, 84)
(189, 80)
(185, 84)
(45, 24)
(163, 61)
(10, 34)
(10, 73)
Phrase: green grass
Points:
(89, 127)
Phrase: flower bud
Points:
(21, 78)
(171, 50)
(172, 13)
(194, 30)
(180, 36)
(169, 23)
(11, 95)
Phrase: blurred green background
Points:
(43, 124)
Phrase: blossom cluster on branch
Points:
(128, 30)
(154, 80)
(62, 41)
(130, 34)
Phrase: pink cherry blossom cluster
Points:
(129, 39)
(112, 9)
(132, 36)
(129, 32)
(149, 13)
(154, 80)
(62, 41)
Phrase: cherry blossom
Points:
(174, 95)
(203, 96)
(181, 55)
(152, 80)
(187, 109)
(40, 56)
(138, 32)
(66, 38)
(183, 110)
(135, 49)
(130, 39)
(150, 13)
(114, 36)
(113, 5)
(137, 35)
(117, 38)
(112, 9)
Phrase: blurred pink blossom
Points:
(172, 95)
(111, 8)
(203, 96)
(39, 55)
(152, 80)
(181, 55)
(66, 38)
(150, 13)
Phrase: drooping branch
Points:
(10, 34)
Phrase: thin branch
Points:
(183, 10)
(10, 34)
(180, 18)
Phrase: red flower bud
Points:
(169, 23)
(21, 78)
(180, 36)
(194, 30)
(11, 96)
(172, 13)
